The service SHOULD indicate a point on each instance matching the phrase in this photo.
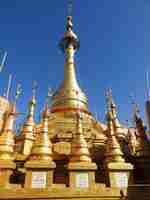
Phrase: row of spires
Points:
(42, 144)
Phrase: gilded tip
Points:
(69, 23)
(45, 113)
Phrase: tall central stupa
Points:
(69, 96)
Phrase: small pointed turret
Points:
(114, 161)
(7, 136)
(42, 148)
(28, 128)
(79, 146)
(142, 140)
(113, 149)
(132, 141)
(69, 95)
(113, 109)
(27, 135)
(80, 161)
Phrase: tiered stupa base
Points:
(119, 174)
(39, 174)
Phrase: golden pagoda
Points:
(68, 153)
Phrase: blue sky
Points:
(114, 49)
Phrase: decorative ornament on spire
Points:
(49, 96)
(69, 38)
(110, 103)
(32, 102)
(34, 87)
(112, 110)
(18, 92)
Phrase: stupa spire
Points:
(27, 135)
(69, 95)
(42, 148)
(111, 106)
(113, 149)
(79, 146)
(142, 140)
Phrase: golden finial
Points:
(110, 103)
(34, 87)
(113, 150)
(111, 107)
(42, 148)
(18, 92)
(79, 146)
(32, 103)
(49, 96)
(28, 129)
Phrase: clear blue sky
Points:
(115, 48)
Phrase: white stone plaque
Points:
(82, 180)
(39, 179)
(122, 179)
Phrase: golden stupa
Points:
(69, 154)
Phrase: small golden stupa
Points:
(27, 136)
(7, 143)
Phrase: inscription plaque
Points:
(39, 179)
(122, 179)
(82, 180)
